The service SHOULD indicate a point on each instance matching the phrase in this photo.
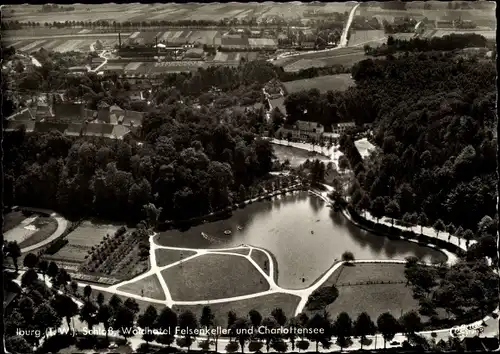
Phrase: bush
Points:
(322, 297)
(232, 347)
(56, 246)
(347, 256)
(204, 345)
(279, 345)
(255, 346)
(302, 344)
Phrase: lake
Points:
(304, 235)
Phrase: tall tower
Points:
(119, 41)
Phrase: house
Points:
(302, 130)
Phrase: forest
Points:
(189, 164)
(434, 121)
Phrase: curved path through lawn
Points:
(62, 224)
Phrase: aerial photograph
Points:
(262, 177)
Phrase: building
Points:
(302, 130)
(339, 128)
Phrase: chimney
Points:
(119, 41)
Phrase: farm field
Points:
(340, 82)
(263, 304)
(370, 37)
(166, 256)
(148, 287)
(82, 239)
(199, 278)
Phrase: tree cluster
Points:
(464, 291)
(445, 43)
(189, 165)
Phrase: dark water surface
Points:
(283, 226)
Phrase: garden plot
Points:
(82, 239)
(12, 219)
(133, 66)
(200, 278)
(370, 37)
(340, 82)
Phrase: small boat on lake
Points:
(312, 232)
(227, 232)
(240, 228)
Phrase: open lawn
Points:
(200, 278)
(149, 287)
(166, 256)
(243, 251)
(295, 155)
(46, 226)
(340, 82)
(374, 299)
(264, 304)
(12, 219)
(261, 259)
(370, 272)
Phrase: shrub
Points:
(255, 346)
(302, 344)
(232, 347)
(279, 345)
(322, 297)
(204, 345)
(347, 256)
